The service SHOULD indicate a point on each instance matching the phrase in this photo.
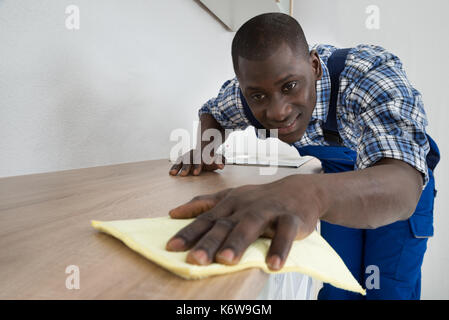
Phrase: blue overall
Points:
(397, 249)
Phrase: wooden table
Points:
(45, 227)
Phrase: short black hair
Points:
(259, 37)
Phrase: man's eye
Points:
(289, 86)
(258, 96)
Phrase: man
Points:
(353, 109)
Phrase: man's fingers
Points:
(190, 163)
(187, 163)
(194, 207)
(204, 251)
(194, 231)
(286, 231)
(222, 163)
(217, 164)
(176, 167)
(187, 236)
(197, 168)
(198, 205)
(185, 169)
(212, 167)
(240, 238)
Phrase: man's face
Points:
(281, 90)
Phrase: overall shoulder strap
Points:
(335, 65)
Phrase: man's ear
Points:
(315, 62)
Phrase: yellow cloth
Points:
(312, 256)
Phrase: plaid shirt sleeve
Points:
(227, 107)
(392, 118)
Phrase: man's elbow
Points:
(413, 198)
(410, 183)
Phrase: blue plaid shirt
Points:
(379, 113)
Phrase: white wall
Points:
(417, 32)
(113, 91)
(110, 92)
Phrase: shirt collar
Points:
(323, 92)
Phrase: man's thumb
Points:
(222, 162)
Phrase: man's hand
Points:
(288, 209)
(192, 163)
(230, 220)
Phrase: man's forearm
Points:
(370, 198)
(207, 121)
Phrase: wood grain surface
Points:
(45, 227)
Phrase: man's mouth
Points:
(290, 127)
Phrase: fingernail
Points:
(176, 244)
(226, 255)
(274, 262)
(200, 256)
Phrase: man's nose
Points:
(279, 111)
